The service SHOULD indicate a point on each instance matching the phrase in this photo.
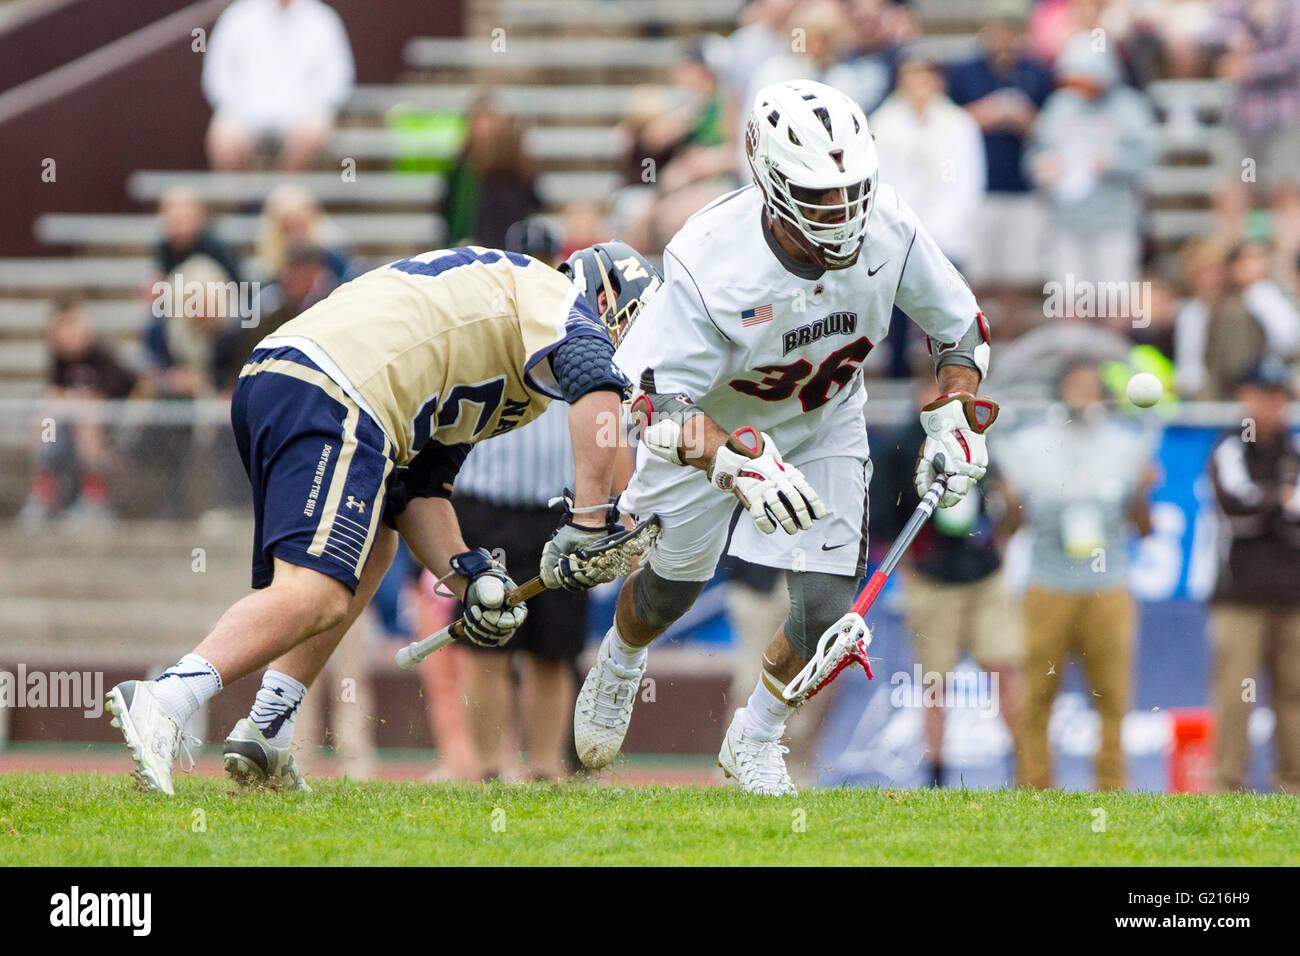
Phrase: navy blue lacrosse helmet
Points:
(625, 276)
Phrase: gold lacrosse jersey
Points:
(451, 344)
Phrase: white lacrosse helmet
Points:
(803, 140)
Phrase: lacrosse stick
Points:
(609, 558)
(846, 641)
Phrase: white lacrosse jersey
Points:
(778, 345)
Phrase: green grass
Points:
(52, 819)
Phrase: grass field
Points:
(86, 819)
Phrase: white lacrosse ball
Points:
(1144, 390)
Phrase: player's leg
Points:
(318, 479)
(259, 749)
(695, 520)
(825, 567)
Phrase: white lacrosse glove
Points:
(954, 427)
(488, 622)
(771, 490)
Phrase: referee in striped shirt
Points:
(501, 497)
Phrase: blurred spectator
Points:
(1090, 148)
(493, 183)
(1170, 37)
(820, 33)
(582, 225)
(1079, 480)
(73, 460)
(306, 277)
(931, 151)
(186, 232)
(1003, 87)
(1236, 317)
(1052, 24)
(679, 158)
(1255, 610)
(1158, 326)
(291, 216)
(762, 37)
(275, 70)
(182, 340)
(1262, 62)
(955, 597)
(879, 30)
(444, 679)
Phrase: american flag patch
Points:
(756, 316)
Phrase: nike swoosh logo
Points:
(871, 272)
(834, 546)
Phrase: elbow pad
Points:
(429, 475)
(585, 363)
(972, 350)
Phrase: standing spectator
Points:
(494, 182)
(1255, 610)
(872, 52)
(1003, 87)
(1091, 146)
(762, 37)
(955, 596)
(73, 462)
(186, 232)
(932, 152)
(277, 70)
(1236, 317)
(1261, 59)
(818, 35)
(1082, 478)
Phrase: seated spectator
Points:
(306, 278)
(275, 70)
(692, 157)
(186, 232)
(1169, 38)
(1003, 87)
(582, 224)
(1157, 325)
(494, 182)
(182, 341)
(72, 461)
(1260, 57)
(292, 216)
(1089, 150)
(877, 36)
(1223, 334)
(820, 33)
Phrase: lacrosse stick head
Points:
(844, 644)
(615, 556)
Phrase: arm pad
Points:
(585, 363)
(971, 350)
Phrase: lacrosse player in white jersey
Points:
(747, 367)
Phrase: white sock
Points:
(766, 712)
(276, 707)
(622, 653)
(186, 686)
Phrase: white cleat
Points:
(253, 761)
(604, 708)
(152, 735)
(757, 765)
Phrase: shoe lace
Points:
(612, 698)
(186, 744)
(765, 762)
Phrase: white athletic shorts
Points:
(696, 516)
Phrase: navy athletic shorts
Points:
(318, 464)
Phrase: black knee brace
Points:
(658, 601)
(817, 600)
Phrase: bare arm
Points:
(959, 378)
(594, 429)
(430, 527)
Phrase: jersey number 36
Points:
(815, 389)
